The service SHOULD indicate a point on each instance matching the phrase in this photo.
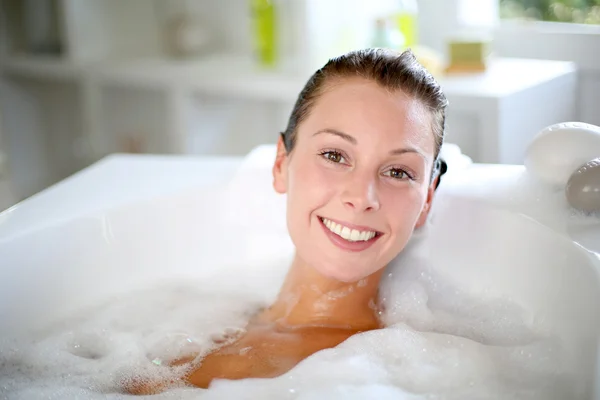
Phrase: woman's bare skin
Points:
(311, 313)
(357, 171)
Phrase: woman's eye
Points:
(397, 174)
(333, 156)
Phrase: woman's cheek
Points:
(406, 202)
(314, 176)
(304, 184)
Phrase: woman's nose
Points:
(361, 195)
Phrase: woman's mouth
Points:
(352, 238)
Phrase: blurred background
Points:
(82, 79)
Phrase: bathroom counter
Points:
(124, 179)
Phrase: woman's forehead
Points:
(367, 111)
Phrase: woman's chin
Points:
(341, 273)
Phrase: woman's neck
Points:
(308, 298)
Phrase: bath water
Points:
(441, 341)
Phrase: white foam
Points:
(514, 188)
(441, 341)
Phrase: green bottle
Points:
(406, 18)
(264, 31)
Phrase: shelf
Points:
(43, 67)
(226, 75)
(505, 77)
(223, 75)
(237, 76)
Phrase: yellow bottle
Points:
(406, 19)
(264, 29)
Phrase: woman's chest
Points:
(263, 352)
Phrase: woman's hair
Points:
(390, 69)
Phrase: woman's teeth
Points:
(351, 235)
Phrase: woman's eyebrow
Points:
(405, 150)
(341, 134)
(352, 140)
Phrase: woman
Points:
(359, 164)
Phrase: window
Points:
(576, 11)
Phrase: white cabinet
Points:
(554, 41)
(494, 115)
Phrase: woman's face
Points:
(358, 178)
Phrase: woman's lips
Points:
(359, 243)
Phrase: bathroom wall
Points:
(111, 28)
(6, 194)
(440, 20)
(228, 24)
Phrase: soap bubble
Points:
(164, 348)
(441, 341)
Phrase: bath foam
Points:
(425, 296)
(513, 187)
(441, 341)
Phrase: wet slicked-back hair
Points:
(391, 70)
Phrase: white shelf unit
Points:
(220, 105)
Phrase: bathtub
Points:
(130, 221)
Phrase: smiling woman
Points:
(357, 162)
(360, 147)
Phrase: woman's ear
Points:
(440, 169)
(280, 168)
